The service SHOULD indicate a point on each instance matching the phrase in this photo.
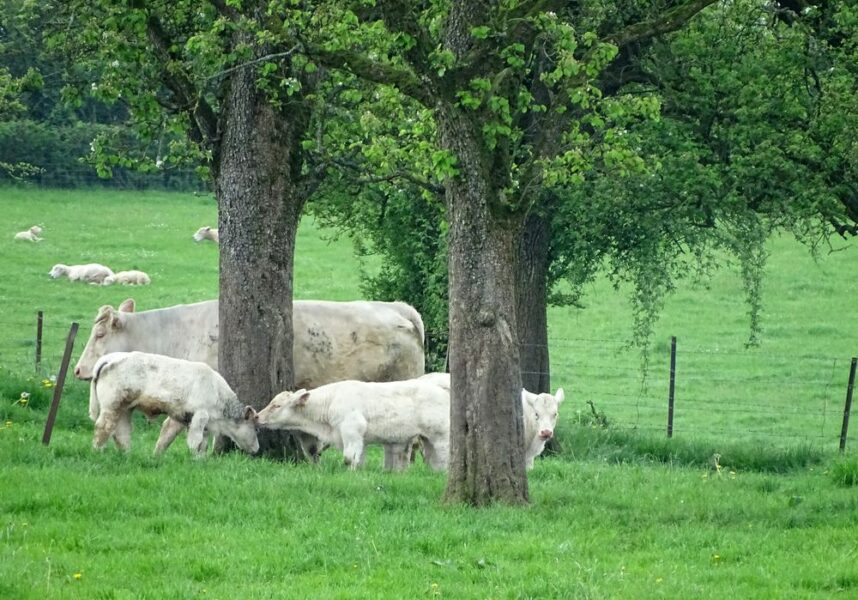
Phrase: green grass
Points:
(622, 512)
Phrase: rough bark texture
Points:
(259, 208)
(486, 437)
(531, 277)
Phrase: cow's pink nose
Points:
(546, 434)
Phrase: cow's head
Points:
(545, 407)
(202, 233)
(107, 335)
(284, 411)
(58, 271)
(243, 432)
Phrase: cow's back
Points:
(366, 341)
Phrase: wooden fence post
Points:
(670, 393)
(58, 387)
(39, 319)
(844, 430)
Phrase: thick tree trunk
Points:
(531, 276)
(486, 437)
(259, 209)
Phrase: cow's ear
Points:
(249, 413)
(127, 306)
(559, 395)
(115, 319)
(524, 395)
(301, 397)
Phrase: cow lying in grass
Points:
(351, 414)
(191, 393)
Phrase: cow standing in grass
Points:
(191, 393)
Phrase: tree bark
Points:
(531, 277)
(486, 433)
(259, 203)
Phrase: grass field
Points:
(620, 513)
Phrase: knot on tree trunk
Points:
(486, 317)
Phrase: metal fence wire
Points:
(780, 399)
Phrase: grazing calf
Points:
(206, 233)
(31, 235)
(127, 278)
(91, 273)
(351, 414)
(539, 413)
(191, 393)
(540, 418)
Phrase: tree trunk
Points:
(259, 208)
(486, 432)
(531, 277)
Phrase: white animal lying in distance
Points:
(91, 273)
(351, 414)
(31, 235)
(128, 278)
(206, 233)
(191, 393)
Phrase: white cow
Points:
(540, 418)
(351, 414)
(91, 273)
(191, 393)
(539, 412)
(30, 235)
(206, 233)
(128, 278)
(334, 341)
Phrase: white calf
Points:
(127, 278)
(191, 393)
(206, 233)
(31, 235)
(540, 418)
(92, 273)
(351, 414)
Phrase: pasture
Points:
(620, 513)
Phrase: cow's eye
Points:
(99, 334)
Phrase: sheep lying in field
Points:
(91, 273)
(206, 233)
(127, 278)
(31, 235)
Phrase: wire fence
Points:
(718, 394)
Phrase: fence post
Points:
(848, 407)
(58, 388)
(670, 393)
(39, 319)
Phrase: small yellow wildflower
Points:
(716, 558)
(78, 576)
(47, 383)
(24, 399)
(8, 424)
(658, 579)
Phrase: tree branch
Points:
(671, 20)
(402, 78)
(202, 117)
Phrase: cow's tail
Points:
(93, 386)
(410, 313)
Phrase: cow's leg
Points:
(397, 456)
(436, 453)
(311, 446)
(352, 432)
(197, 432)
(170, 428)
(122, 433)
(104, 426)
